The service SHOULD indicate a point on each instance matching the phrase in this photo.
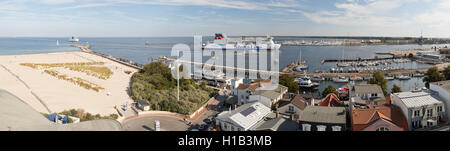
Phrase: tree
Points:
(447, 73)
(379, 79)
(396, 89)
(330, 89)
(288, 81)
(432, 75)
(411, 56)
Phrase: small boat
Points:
(301, 64)
(340, 80)
(317, 78)
(74, 39)
(419, 74)
(403, 77)
(388, 77)
(147, 43)
(356, 78)
(306, 83)
(57, 42)
(342, 64)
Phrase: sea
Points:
(134, 49)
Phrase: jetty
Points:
(87, 49)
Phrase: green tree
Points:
(432, 75)
(396, 89)
(411, 56)
(288, 81)
(379, 79)
(330, 89)
(447, 73)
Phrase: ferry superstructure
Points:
(222, 42)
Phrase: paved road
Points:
(147, 123)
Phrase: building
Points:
(366, 95)
(143, 105)
(331, 101)
(443, 90)
(276, 122)
(293, 106)
(321, 118)
(243, 91)
(386, 117)
(268, 95)
(243, 118)
(421, 109)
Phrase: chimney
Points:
(235, 107)
(388, 99)
(292, 116)
(277, 114)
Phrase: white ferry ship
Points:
(222, 42)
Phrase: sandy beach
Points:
(47, 93)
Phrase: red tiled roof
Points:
(331, 100)
(242, 86)
(253, 87)
(299, 102)
(362, 118)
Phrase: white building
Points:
(242, 118)
(268, 95)
(420, 108)
(243, 91)
(443, 90)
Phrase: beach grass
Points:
(88, 68)
(76, 80)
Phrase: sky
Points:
(156, 18)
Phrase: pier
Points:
(87, 49)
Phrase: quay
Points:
(87, 49)
(362, 60)
(404, 53)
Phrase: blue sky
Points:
(148, 18)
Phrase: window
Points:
(374, 95)
(336, 128)
(439, 108)
(291, 109)
(430, 112)
(321, 127)
(382, 129)
(416, 112)
(306, 127)
(429, 124)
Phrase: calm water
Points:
(134, 49)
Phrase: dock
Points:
(404, 53)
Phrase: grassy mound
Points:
(155, 84)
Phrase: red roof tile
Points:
(362, 118)
(331, 100)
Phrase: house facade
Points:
(268, 96)
(295, 106)
(420, 108)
